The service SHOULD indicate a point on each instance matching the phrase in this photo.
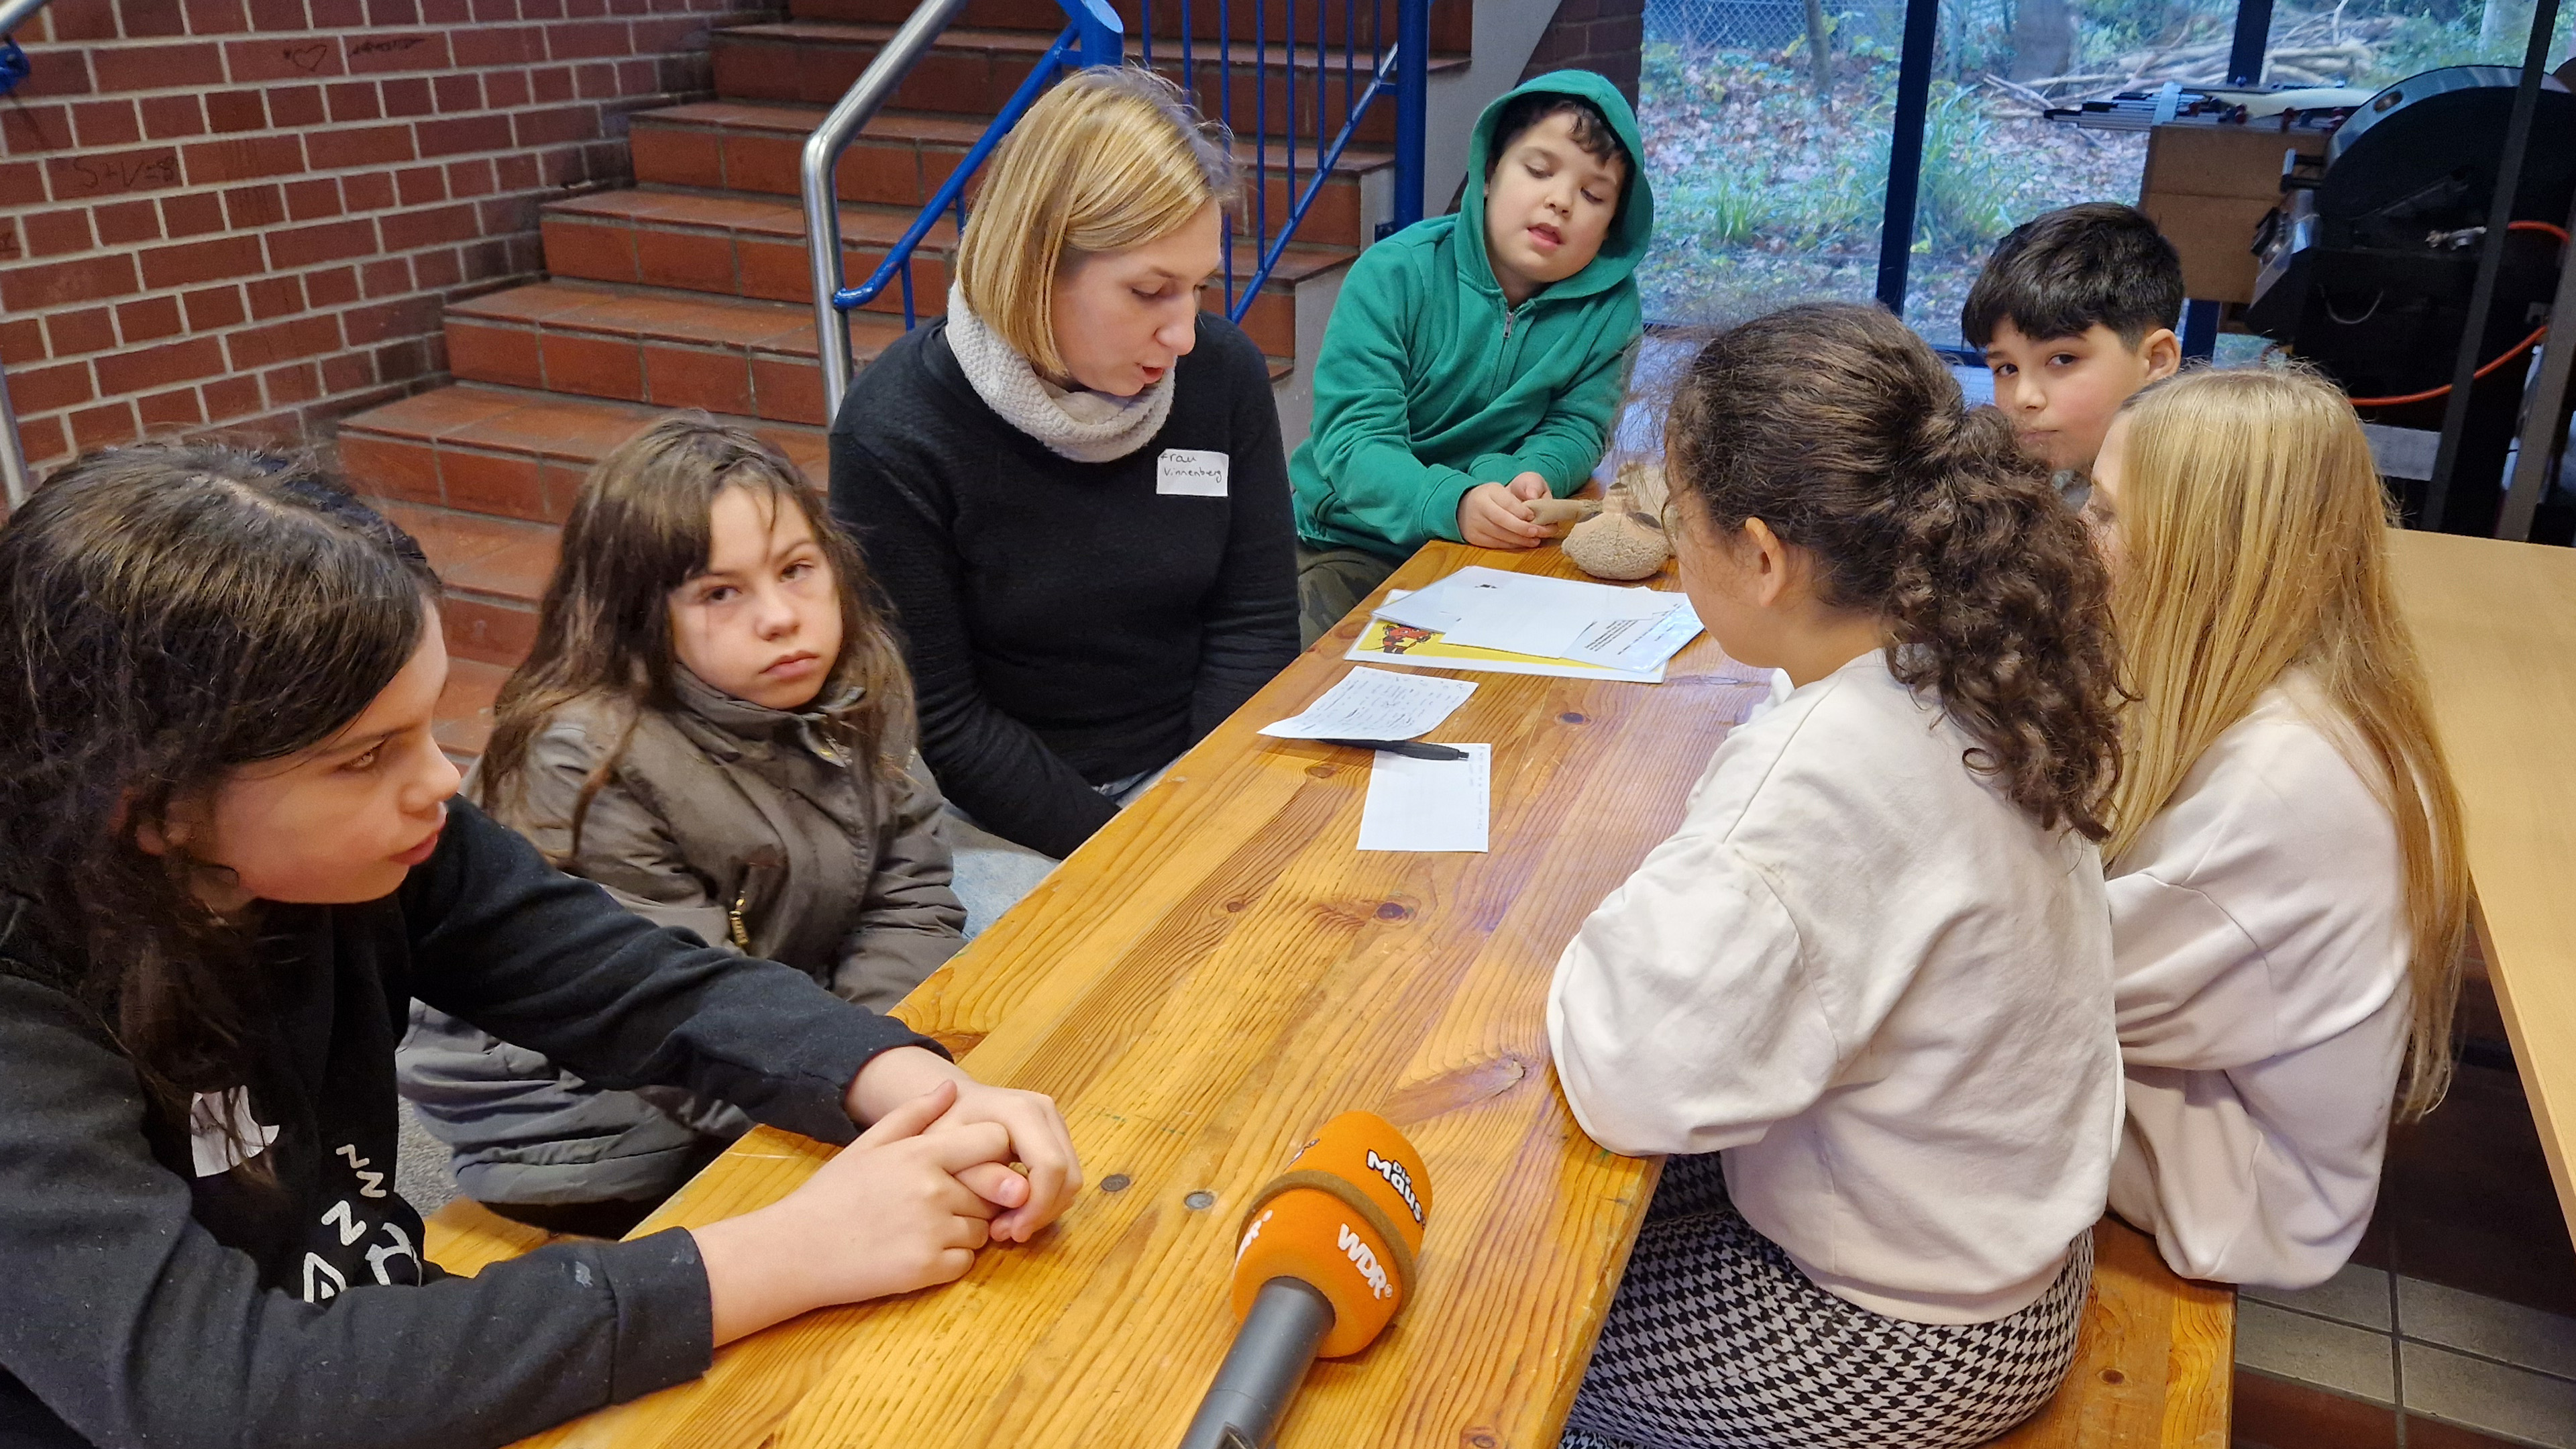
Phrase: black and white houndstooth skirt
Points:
(1717, 1341)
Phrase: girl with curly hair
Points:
(1863, 994)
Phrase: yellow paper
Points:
(1387, 642)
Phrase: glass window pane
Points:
(1991, 162)
(1768, 190)
(2374, 43)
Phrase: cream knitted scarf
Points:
(1087, 427)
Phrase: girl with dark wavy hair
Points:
(1863, 995)
(229, 861)
(713, 726)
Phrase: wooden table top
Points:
(1214, 975)
(2496, 625)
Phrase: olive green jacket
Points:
(749, 828)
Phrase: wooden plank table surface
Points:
(2496, 625)
(1214, 975)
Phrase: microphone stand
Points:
(1261, 1372)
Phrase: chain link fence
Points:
(1970, 34)
(1770, 25)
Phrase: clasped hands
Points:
(905, 1206)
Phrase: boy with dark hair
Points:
(1474, 362)
(2075, 311)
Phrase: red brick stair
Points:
(973, 71)
(672, 350)
(690, 287)
(902, 159)
(507, 452)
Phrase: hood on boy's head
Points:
(1631, 226)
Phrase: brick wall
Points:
(246, 214)
(1608, 36)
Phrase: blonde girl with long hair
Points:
(2288, 889)
(1071, 486)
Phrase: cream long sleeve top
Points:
(1875, 985)
(2260, 944)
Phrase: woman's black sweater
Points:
(1068, 624)
(150, 1305)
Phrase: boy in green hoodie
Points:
(1475, 362)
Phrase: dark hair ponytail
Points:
(169, 613)
(1846, 435)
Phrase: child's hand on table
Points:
(1039, 1140)
(888, 1214)
(1496, 515)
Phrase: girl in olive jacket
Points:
(713, 726)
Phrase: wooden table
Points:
(2496, 624)
(1215, 974)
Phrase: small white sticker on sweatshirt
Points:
(222, 1134)
(1191, 473)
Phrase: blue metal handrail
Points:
(1094, 29)
(952, 192)
(1403, 67)
(1094, 35)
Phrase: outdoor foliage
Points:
(1767, 195)
(1770, 193)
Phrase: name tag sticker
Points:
(1191, 473)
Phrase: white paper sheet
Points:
(1523, 613)
(1375, 704)
(1434, 805)
(1638, 642)
(1360, 653)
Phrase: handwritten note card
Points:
(1375, 704)
(1429, 804)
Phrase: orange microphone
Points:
(1325, 1260)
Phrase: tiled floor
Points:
(2504, 1371)
(2455, 1325)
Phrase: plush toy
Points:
(1625, 540)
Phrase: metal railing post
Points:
(1412, 114)
(1100, 34)
(2482, 290)
(15, 480)
(2543, 405)
(822, 157)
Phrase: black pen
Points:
(1415, 748)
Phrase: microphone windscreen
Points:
(1347, 1218)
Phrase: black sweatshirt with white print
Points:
(156, 1295)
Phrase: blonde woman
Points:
(1072, 487)
(2287, 886)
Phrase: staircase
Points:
(691, 289)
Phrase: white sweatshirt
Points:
(2260, 942)
(1875, 984)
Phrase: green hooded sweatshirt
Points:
(1428, 384)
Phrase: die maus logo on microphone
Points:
(1397, 1178)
